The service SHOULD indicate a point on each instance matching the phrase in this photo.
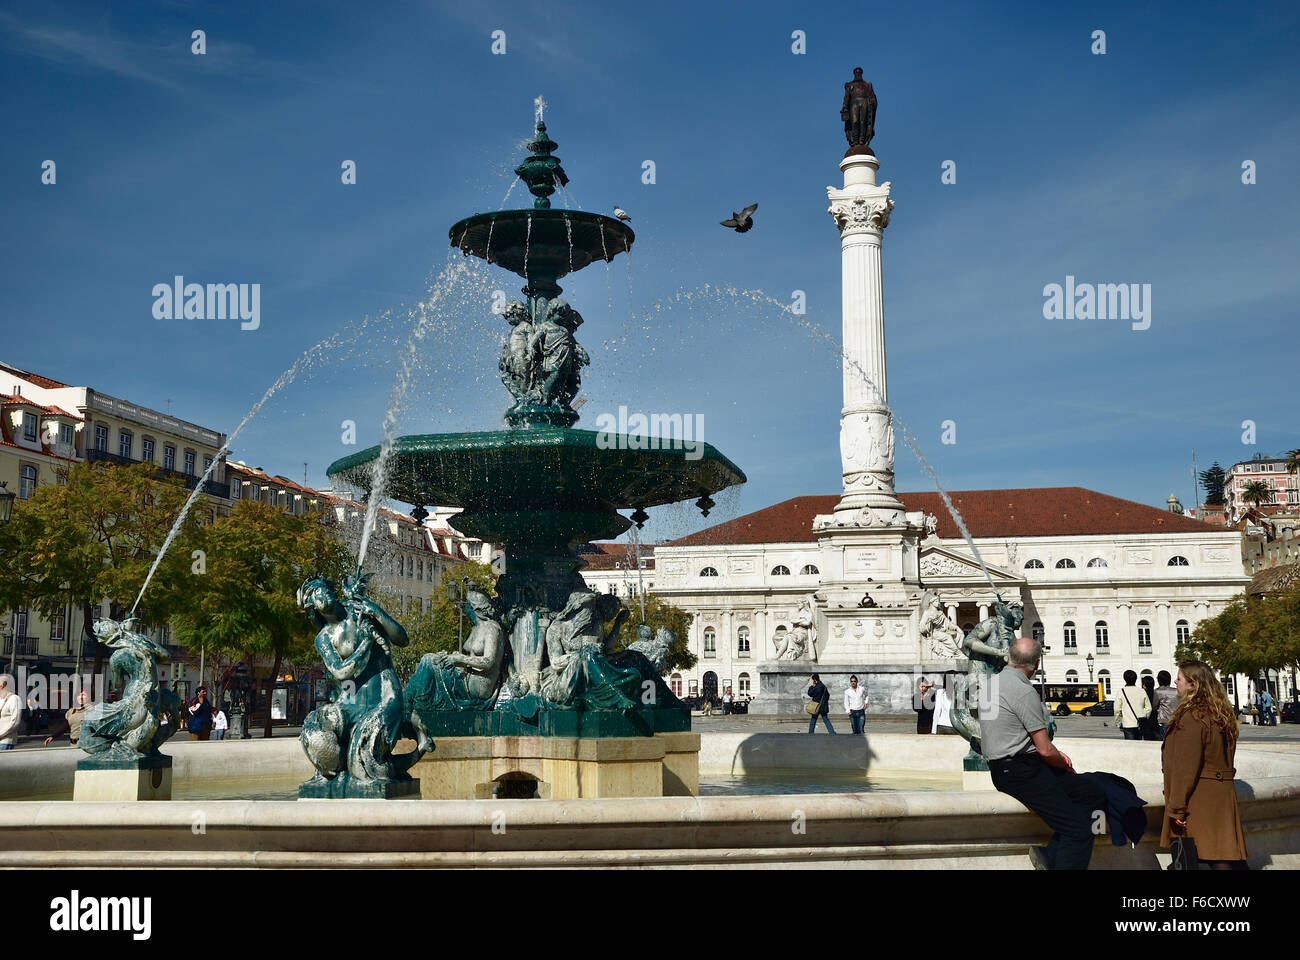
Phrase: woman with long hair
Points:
(1149, 726)
(1197, 758)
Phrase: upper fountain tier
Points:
(542, 244)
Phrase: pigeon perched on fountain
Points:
(741, 222)
(620, 213)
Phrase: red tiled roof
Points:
(34, 378)
(1033, 512)
(15, 398)
(603, 556)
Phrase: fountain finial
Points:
(540, 170)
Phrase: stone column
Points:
(1165, 651)
(861, 211)
(952, 614)
(984, 612)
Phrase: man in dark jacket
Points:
(818, 693)
(200, 716)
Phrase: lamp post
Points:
(1091, 659)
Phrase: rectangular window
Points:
(101, 438)
(65, 433)
(169, 457)
(56, 626)
(146, 450)
(234, 489)
(124, 444)
(29, 426)
(189, 463)
(26, 481)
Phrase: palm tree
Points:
(1293, 460)
(1257, 492)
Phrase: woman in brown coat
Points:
(1197, 757)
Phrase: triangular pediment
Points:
(940, 565)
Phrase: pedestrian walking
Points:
(1266, 708)
(219, 723)
(200, 716)
(33, 714)
(11, 714)
(1197, 758)
(855, 704)
(1024, 763)
(1254, 706)
(1164, 703)
(1131, 707)
(727, 701)
(819, 699)
(923, 704)
(71, 723)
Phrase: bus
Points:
(1066, 698)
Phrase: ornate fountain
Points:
(540, 488)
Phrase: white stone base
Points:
(977, 780)
(116, 785)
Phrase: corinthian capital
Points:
(855, 214)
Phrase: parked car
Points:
(1290, 712)
(1104, 709)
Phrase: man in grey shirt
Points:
(1024, 764)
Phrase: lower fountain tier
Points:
(544, 486)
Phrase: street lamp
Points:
(6, 502)
(6, 507)
(1091, 659)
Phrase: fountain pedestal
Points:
(103, 779)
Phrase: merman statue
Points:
(147, 713)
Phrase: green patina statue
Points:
(350, 740)
(986, 646)
(468, 680)
(132, 728)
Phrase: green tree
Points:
(1212, 481)
(93, 537)
(1257, 492)
(1293, 460)
(438, 627)
(243, 603)
(1250, 636)
(660, 613)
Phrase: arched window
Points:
(780, 570)
(1036, 631)
(1103, 637)
(809, 571)
(26, 481)
(708, 572)
(1071, 638)
(1065, 563)
(675, 683)
(1071, 676)
(1144, 637)
(1034, 565)
(710, 642)
(777, 635)
(1178, 562)
(742, 685)
(1104, 677)
(742, 642)
(1098, 562)
(1147, 672)
(1182, 631)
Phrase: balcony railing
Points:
(27, 646)
(191, 480)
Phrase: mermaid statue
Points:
(350, 740)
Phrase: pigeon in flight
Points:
(743, 221)
(620, 213)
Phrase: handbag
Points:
(812, 708)
(1183, 854)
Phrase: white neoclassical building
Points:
(1107, 583)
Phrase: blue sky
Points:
(1122, 168)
